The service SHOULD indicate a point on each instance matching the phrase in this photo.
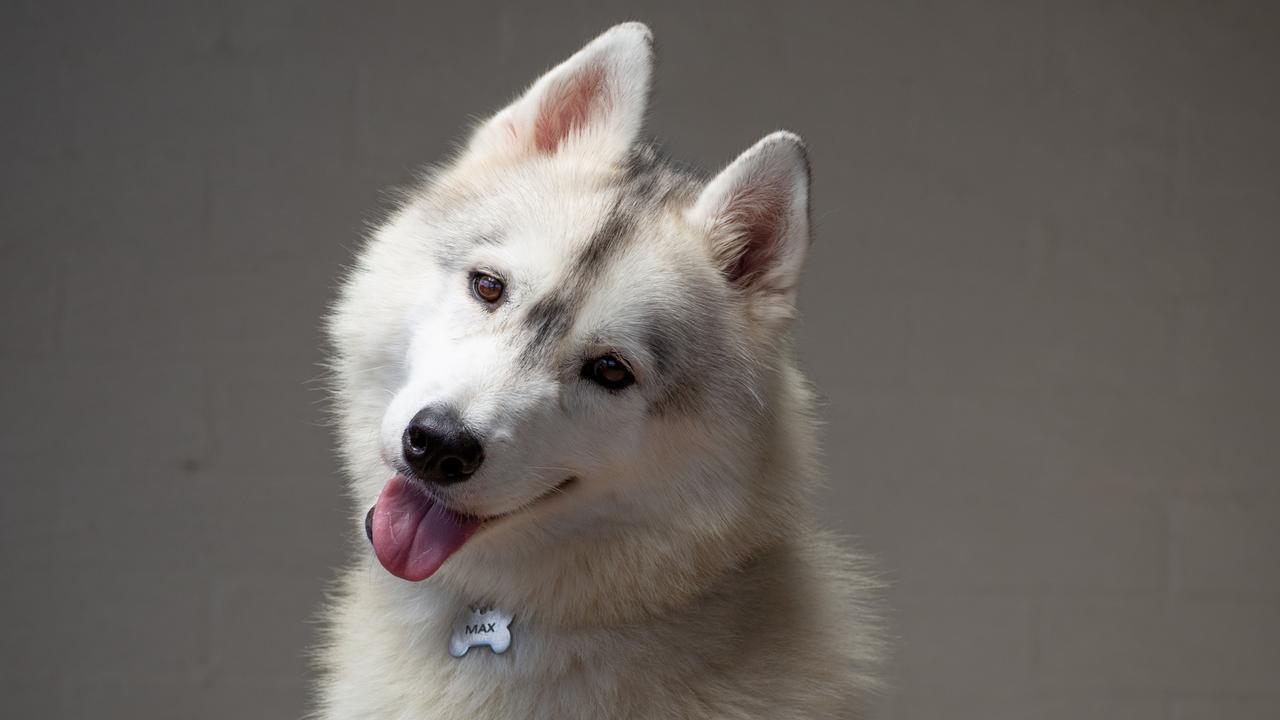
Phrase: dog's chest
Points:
(539, 675)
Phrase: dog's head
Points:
(574, 351)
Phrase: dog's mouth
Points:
(413, 532)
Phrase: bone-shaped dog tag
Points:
(480, 625)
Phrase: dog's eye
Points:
(487, 287)
(609, 371)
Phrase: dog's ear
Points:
(594, 102)
(756, 216)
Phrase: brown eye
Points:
(609, 371)
(487, 287)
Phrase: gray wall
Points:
(1042, 312)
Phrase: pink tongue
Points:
(412, 534)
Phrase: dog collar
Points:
(480, 625)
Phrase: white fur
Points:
(680, 575)
(776, 167)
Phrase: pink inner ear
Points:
(755, 214)
(568, 106)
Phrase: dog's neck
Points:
(429, 612)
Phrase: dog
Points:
(576, 435)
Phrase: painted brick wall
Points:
(1042, 313)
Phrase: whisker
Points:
(551, 467)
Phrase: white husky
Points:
(567, 394)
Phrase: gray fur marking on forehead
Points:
(550, 318)
(647, 184)
(682, 341)
(656, 179)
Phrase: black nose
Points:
(439, 448)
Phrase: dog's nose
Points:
(439, 448)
